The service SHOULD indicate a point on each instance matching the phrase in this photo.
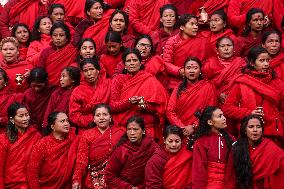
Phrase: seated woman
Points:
(60, 55)
(37, 96)
(52, 159)
(170, 166)
(22, 33)
(258, 91)
(211, 149)
(40, 39)
(59, 100)
(126, 165)
(259, 162)
(16, 146)
(95, 147)
(94, 89)
(271, 41)
(16, 69)
(222, 69)
(187, 43)
(137, 92)
(168, 20)
(193, 94)
(251, 36)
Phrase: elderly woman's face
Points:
(10, 52)
(132, 63)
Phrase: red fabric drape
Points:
(209, 5)
(277, 64)
(73, 8)
(110, 62)
(246, 43)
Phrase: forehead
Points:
(21, 28)
(263, 55)
(58, 30)
(273, 36)
(253, 121)
(173, 137)
(133, 125)
(214, 16)
(46, 19)
(101, 110)
(61, 116)
(9, 44)
(168, 11)
(88, 43)
(191, 63)
(257, 15)
(144, 41)
(22, 111)
(57, 9)
(225, 41)
(217, 112)
(118, 16)
(192, 20)
(88, 66)
(131, 56)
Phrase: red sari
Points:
(54, 61)
(180, 110)
(278, 13)
(73, 8)
(84, 98)
(209, 5)
(277, 64)
(110, 62)
(52, 162)
(125, 86)
(126, 166)
(14, 159)
(94, 150)
(248, 42)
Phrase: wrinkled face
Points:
(57, 15)
(144, 47)
(257, 21)
(22, 118)
(22, 34)
(134, 132)
(118, 23)
(90, 73)
(132, 63)
(253, 130)
(38, 86)
(61, 124)
(272, 44)
(87, 50)
(218, 120)
(96, 12)
(113, 48)
(225, 48)
(173, 143)
(216, 23)
(262, 62)
(10, 52)
(102, 118)
(65, 80)
(190, 28)
(45, 26)
(2, 81)
(168, 18)
(192, 71)
(59, 37)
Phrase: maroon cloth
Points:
(14, 158)
(209, 5)
(128, 40)
(52, 162)
(126, 167)
(80, 29)
(182, 6)
(277, 63)
(23, 50)
(247, 42)
(94, 149)
(110, 62)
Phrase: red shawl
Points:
(23, 53)
(14, 159)
(98, 31)
(268, 164)
(247, 42)
(52, 161)
(180, 110)
(182, 6)
(278, 13)
(209, 5)
(110, 62)
(177, 172)
(73, 8)
(128, 40)
(277, 64)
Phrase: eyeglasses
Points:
(147, 46)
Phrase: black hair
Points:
(97, 106)
(12, 131)
(266, 34)
(204, 128)
(35, 33)
(63, 26)
(183, 85)
(171, 7)
(92, 61)
(242, 162)
(225, 37)
(54, 6)
(145, 37)
(4, 75)
(125, 16)
(173, 129)
(38, 74)
(282, 23)
(14, 30)
(113, 36)
(50, 121)
(132, 51)
(74, 74)
(222, 15)
(185, 18)
(249, 14)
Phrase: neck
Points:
(185, 36)
(21, 130)
(59, 136)
(192, 81)
(168, 30)
(102, 130)
(254, 143)
(255, 34)
(214, 130)
(218, 32)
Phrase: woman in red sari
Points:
(94, 89)
(170, 166)
(271, 41)
(95, 148)
(258, 91)
(22, 33)
(126, 165)
(60, 55)
(187, 43)
(59, 100)
(40, 39)
(15, 148)
(211, 167)
(138, 92)
(259, 162)
(52, 159)
(16, 69)
(188, 97)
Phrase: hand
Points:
(76, 185)
(222, 98)
(44, 2)
(27, 74)
(134, 187)
(188, 130)
(135, 99)
(181, 72)
(203, 18)
(258, 111)
(266, 21)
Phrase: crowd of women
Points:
(135, 94)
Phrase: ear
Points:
(210, 122)
(181, 28)
(144, 132)
(161, 20)
(12, 120)
(262, 45)
(88, 13)
(52, 127)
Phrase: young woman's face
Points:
(257, 22)
(168, 18)
(218, 120)
(87, 50)
(216, 23)
(262, 62)
(113, 48)
(90, 73)
(225, 48)
(192, 71)
(253, 130)
(272, 44)
(65, 80)
(61, 124)
(59, 37)
(144, 47)
(132, 63)
(190, 28)
(22, 118)
(118, 23)
(173, 143)
(10, 52)
(96, 12)
(102, 118)
(134, 132)
(22, 34)
(45, 26)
